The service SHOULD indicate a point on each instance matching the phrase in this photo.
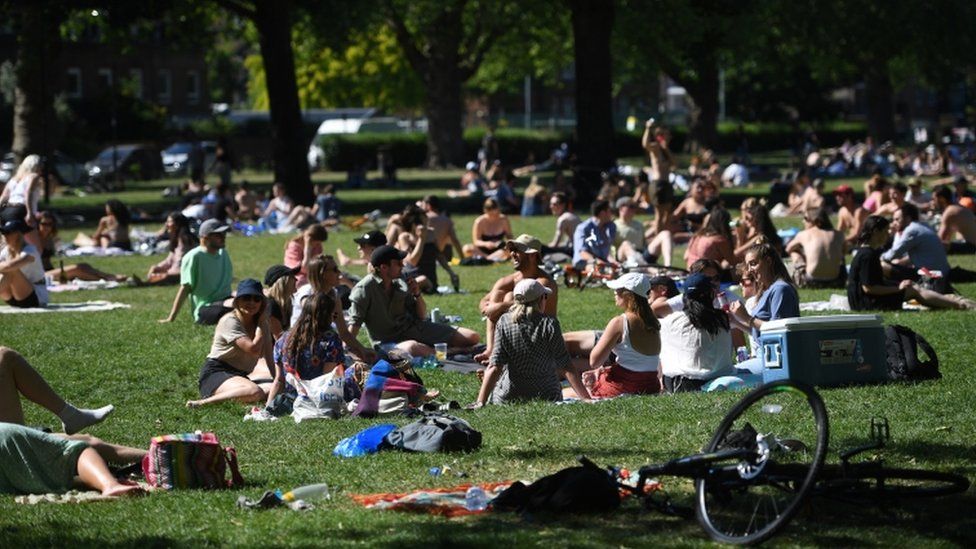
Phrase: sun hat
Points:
(637, 283)
(248, 286)
(525, 243)
(529, 290)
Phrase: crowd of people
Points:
(305, 319)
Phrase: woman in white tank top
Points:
(634, 337)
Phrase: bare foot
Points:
(431, 395)
(194, 403)
(124, 489)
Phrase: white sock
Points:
(75, 419)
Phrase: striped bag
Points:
(190, 460)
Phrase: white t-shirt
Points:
(737, 174)
(690, 352)
(33, 271)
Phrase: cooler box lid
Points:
(825, 322)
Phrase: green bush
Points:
(517, 146)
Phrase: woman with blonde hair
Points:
(22, 192)
(528, 357)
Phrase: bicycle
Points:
(767, 456)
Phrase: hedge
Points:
(516, 147)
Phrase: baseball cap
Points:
(384, 254)
(623, 201)
(667, 282)
(275, 272)
(471, 166)
(843, 189)
(529, 290)
(637, 283)
(696, 281)
(248, 286)
(525, 243)
(212, 226)
(15, 226)
(372, 238)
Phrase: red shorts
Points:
(618, 380)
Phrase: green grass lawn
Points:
(149, 370)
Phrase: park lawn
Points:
(149, 370)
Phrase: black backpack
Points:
(582, 489)
(904, 364)
(436, 432)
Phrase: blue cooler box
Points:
(825, 351)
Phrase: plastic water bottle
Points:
(307, 493)
(476, 499)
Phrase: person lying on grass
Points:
(529, 357)
(242, 337)
(33, 462)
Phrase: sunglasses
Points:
(251, 298)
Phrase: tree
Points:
(690, 40)
(38, 46)
(445, 43)
(273, 21)
(592, 26)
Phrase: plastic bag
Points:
(367, 441)
(320, 397)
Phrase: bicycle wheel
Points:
(749, 500)
(875, 482)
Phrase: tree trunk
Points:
(35, 131)
(703, 126)
(880, 102)
(445, 136)
(592, 25)
(288, 143)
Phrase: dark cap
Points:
(696, 281)
(385, 254)
(372, 238)
(15, 226)
(249, 286)
(843, 189)
(212, 226)
(667, 282)
(275, 272)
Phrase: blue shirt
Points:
(923, 247)
(594, 238)
(780, 300)
(328, 207)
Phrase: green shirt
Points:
(33, 462)
(208, 276)
(386, 315)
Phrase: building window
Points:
(192, 87)
(72, 85)
(135, 83)
(164, 85)
(105, 79)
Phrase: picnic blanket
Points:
(96, 251)
(446, 502)
(76, 285)
(838, 302)
(462, 366)
(85, 307)
(73, 496)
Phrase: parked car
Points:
(132, 161)
(67, 170)
(175, 156)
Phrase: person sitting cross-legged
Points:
(393, 309)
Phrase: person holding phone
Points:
(241, 338)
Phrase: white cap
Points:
(634, 282)
(471, 166)
(529, 290)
